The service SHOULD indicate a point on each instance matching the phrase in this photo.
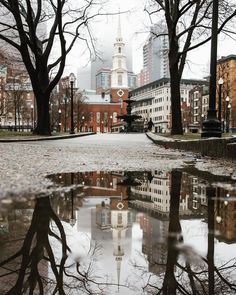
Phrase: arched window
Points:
(119, 79)
(119, 49)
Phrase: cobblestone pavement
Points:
(24, 166)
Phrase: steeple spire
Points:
(119, 37)
(118, 268)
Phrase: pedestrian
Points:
(150, 125)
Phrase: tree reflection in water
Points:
(44, 263)
(28, 269)
(187, 272)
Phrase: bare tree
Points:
(189, 25)
(44, 246)
(44, 32)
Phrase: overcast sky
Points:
(134, 25)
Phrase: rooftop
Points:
(163, 81)
(225, 58)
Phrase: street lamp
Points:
(218, 217)
(227, 99)
(65, 86)
(72, 218)
(202, 119)
(111, 123)
(212, 126)
(32, 116)
(82, 124)
(228, 118)
(220, 82)
(65, 110)
(59, 120)
(72, 80)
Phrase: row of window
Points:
(160, 118)
(103, 117)
(160, 99)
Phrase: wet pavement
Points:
(116, 217)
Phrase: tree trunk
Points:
(43, 117)
(175, 77)
(176, 118)
(170, 284)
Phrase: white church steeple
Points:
(119, 73)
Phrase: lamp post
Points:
(227, 99)
(202, 119)
(32, 116)
(228, 117)
(218, 217)
(59, 120)
(211, 126)
(72, 218)
(72, 80)
(65, 86)
(220, 82)
(65, 110)
(111, 123)
(82, 124)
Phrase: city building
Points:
(199, 104)
(103, 80)
(152, 101)
(17, 104)
(226, 70)
(155, 55)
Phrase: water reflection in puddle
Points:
(121, 233)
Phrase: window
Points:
(119, 49)
(105, 118)
(119, 218)
(98, 117)
(119, 79)
(115, 117)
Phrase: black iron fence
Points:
(20, 128)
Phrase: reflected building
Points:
(111, 227)
(154, 195)
(197, 189)
(225, 216)
(92, 183)
(154, 244)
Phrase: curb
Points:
(47, 137)
(212, 147)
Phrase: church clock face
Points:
(120, 93)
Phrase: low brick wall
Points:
(213, 147)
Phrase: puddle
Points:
(133, 232)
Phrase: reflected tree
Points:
(43, 267)
(37, 248)
(186, 271)
(170, 284)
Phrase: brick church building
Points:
(101, 110)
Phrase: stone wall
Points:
(213, 147)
